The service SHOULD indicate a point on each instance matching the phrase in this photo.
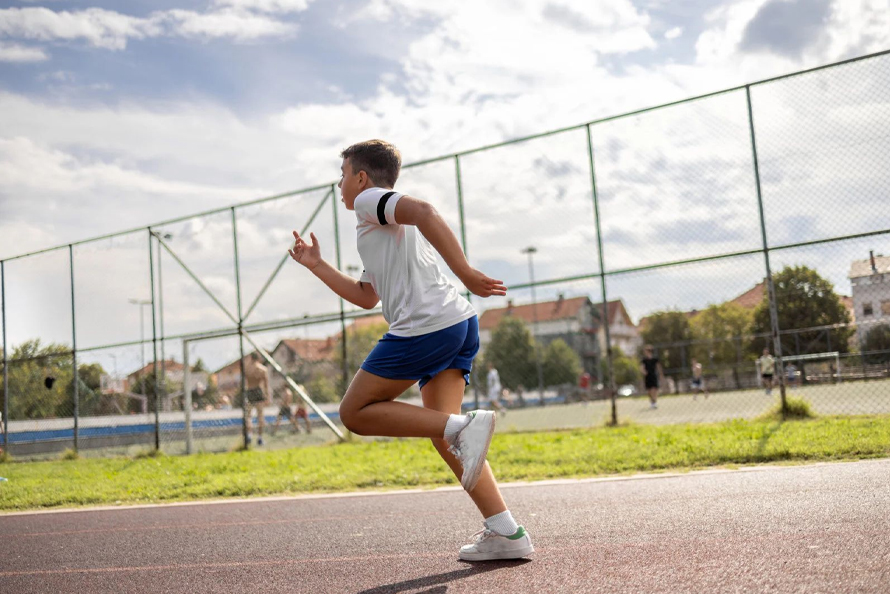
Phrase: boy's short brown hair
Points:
(378, 158)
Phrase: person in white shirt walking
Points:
(495, 390)
(767, 366)
(433, 334)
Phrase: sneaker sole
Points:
(474, 478)
(499, 555)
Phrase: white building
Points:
(870, 281)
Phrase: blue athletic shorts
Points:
(422, 357)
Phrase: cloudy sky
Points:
(117, 115)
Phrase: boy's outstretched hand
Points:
(309, 255)
(483, 286)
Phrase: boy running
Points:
(698, 381)
(433, 334)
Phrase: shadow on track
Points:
(443, 578)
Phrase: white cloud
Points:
(853, 27)
(13, 52)
(673, 33)
(269, 6)
(100, 28)
(235, 24)
(112, 30)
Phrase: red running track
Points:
(816, 528)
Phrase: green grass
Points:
(406, 463)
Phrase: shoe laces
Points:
(455, 451)
(483, 535)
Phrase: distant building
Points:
(174, 372)
(575, 320)
(870, 282)
(300, 358)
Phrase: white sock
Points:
(454, 425)
(502, 523)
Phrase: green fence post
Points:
(463, 244)
(605, 313)
(5, 357)
(244, 404)
(154, 340)
(343, 345)
(75, 376)
(773, 309)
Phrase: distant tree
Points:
(669, 332)
(200, 365)
(721, 325)
(561, 365)
(877, 339)
(626, 369)
(89, 393)
(804, 300)
(727, 329)
(512, 352)
(322, 389)
(39, 379)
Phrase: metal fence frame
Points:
(243, 330)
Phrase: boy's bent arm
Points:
(361, 294)
(309, 255)
(424, 216)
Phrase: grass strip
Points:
(408, 463)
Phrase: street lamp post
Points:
(140, 303)
(530, 250)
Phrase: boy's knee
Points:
(350, 419)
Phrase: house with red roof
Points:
(576, 320)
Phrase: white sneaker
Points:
(490, 546)
(471, 446)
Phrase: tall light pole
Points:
(140, 303)
(530, 250)
(163, 383)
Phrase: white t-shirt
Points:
(767, 364)
(401, 266)
(494, 384)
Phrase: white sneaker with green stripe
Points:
(490, 546)
(471, 446)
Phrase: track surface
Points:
(818, 528)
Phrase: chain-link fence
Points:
(744, 236)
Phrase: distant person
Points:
(256, 377)
(698, 381)
(791, 374)
(303, 414)
(225, 403)
(652, 373)
(584, 387)
(767, 365)
(495, 390)
(285, 411)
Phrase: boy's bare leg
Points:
(367, 409)
(444, 393)
(260, 419)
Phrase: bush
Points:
(796, 409)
